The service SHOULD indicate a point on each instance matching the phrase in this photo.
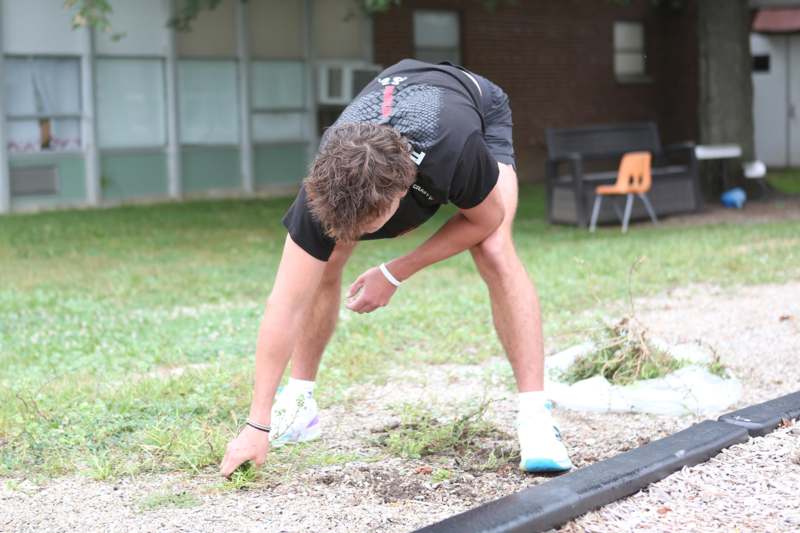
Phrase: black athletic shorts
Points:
(497, 117)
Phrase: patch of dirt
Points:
(767, 245)
(781, 207)
(754, 330)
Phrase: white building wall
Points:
(213, 33)
(276, 29)
(770, 100)
(793, 97)
(286, 39)
(5, 178)
(39, 27)
(143, 24)
(339, 30)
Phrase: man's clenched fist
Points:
(370, 291)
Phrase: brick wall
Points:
(555, 60)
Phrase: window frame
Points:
(29, 117)
(761, 63)
(459, 34)
(262, 112)
(133, 148)
(630, 79)
(180, 60)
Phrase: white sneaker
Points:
(295, 418)
(541, 449)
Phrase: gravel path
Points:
(756, 331)
(749, 487)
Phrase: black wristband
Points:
(259, 427)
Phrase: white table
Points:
(721, 152)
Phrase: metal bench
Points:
(574, 168)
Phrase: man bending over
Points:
(417, 137)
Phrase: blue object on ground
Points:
(735, 197)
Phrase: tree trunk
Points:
(726, 86)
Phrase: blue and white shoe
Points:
(295, 418)
(541, 449)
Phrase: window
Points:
(437, 36)
(279, 101)
(43, 104)
(761, 63)
(130, 103)
(209, 112)
(334, 88)
(630, 59)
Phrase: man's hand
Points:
(251, 445)
(375, 291)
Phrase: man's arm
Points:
(298, 276)
(464, 230)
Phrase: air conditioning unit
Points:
(340, 81)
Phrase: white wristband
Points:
(388, 275)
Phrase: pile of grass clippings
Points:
(623, 356)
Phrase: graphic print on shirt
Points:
(413, 110)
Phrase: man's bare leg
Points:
(515, 304)
(295, 420)
(320, 322)
(515, 310)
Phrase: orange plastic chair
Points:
(634, 177)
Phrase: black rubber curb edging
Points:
(763, 418)
(559, 500)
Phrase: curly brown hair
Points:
(360, 170)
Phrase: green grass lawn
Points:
(786, 180)
(95, 305)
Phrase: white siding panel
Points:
(208, 97)
(213, 33)
(770, 110)
(130, 103)
(338, 29)
(793, 103)
(39, 27)
(144, 25)
(276, 29)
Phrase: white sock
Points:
(533, 403)
(300, 386)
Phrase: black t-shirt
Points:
(438, 109)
